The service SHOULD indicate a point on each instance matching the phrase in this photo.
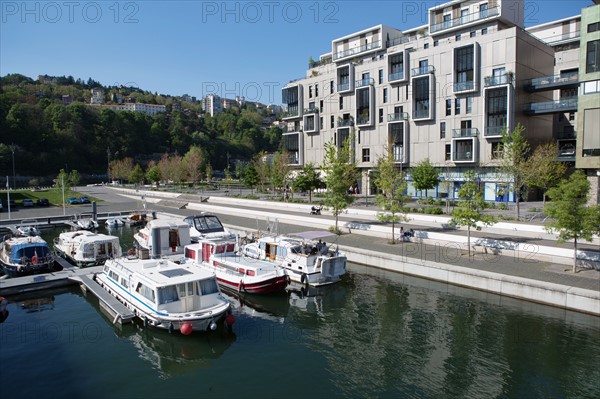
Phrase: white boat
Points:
(135, 218)
(165, 294)
(114, 221)
(305, 259)
(207, 226)
(85, 248)
(23, 256)
(28, 230)
(86, 222)
(163, 238)
(234, 271)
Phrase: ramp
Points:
(116, 309)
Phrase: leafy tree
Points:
(153, 174)
(209, 172)
(544, 172)
(262, 168)
(69, 180)
(572, 218)
(120, 169)
(193, 161)
(308, 179)
(250, 176)
(239, 170)
(390, 180)
(425, 176)
(136, 175)
(340, 173)
(280, 170)
(469, 211)
(514, 160)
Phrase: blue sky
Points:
(248, 48)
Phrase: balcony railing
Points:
(567, 135)
(293, 158)
(312, 110)
(422, 70)
(343, 86)
(463, 156)
(290, 114)
(493, 130)
(364, 82)
(395, 76)
(498, 80)
(420, 114)
(565, 104)
(290, 129)
(549, 82)
(464, 19)
(398, 153)
(363, 120)
(561, 38)
(567, 151)
(396, 41)
(345, 122)
(470, 132)
(357, 50)
(464, 86)
(400, 116)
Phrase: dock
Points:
(120, 313)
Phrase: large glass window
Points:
(497, 108)
(464, 58)
(421, 95)
(592, 60)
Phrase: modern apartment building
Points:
(148, 109)
(588, 106)
(444, 91)
(212, 104)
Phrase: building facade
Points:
(148, 109)
(444, 91)
(212, 104)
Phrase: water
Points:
(374, 335)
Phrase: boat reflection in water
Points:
(273, 307)
(316, 299)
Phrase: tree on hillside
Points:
(425, 176)
(340, 173)
(544, 171)
(469, 211)
(390, 180)
(514, 161)
(308, 179)
(572, 218)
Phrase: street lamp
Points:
(12, 149)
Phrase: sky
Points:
(231, 48)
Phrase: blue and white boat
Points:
(23, 256)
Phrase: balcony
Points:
(504, 79)
(396, 41)
(341, 87)
(565, 37)
(312, 110)
(291, 114)
(463, 156)
(547, 107)
(470, 132)
(422, 70)
(364, 82)
(464, 86)
(392, 77)
(363, 121)
(494, 131)
(357, 50)
(398, 117)
(345, 123)
(567, 135)
(421, 114)
(290, 129)
(293, 158)
(398, 153)
(553, 82)
(464, 19)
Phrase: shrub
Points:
(433, 210)
(502, 206)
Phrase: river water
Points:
(374, 335)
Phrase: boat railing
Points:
(28, 261)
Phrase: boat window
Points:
(123, 282)
(114, 275)
(250, 272)
(208, 286)
(88, 251)
(230, 247)
(146, 292)
(102, 249)
(173, 238)
(167, 294)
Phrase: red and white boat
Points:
(234, 271)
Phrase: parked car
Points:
(43, 202)
(27, 202)
(84, 200)
(73, 201)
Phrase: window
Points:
(448, 106)
(426, 46)
(464, 68)
(592, 60)
(448, 150)
(472, 34)
(497, 150)
(380, 115)
(484, 31)
(320, 123)
(457, 38)
(571, 116)
(436, 43)
(593, 27)
(421, 98)
(380, 76)
(332, 124)
(457, 106)
(341, 102)
(331, 87)
(443, 130)
(316, 90)
(497, 110)
(321, 106)
(483, 10)
(366, 155)
(385, 95)
(469, 105)
(310, 91)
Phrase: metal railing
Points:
(493, 130)
(343, 86)
(312, 110)
(463, 156)
(464, 86)
(357, 50)
(345, 122)
(498, 80)
(554, 80)
(364, 120)
(400, 116)
(422, 70)
(563, 37)
(364, 82)
(565, 104)
(470, 132)
(464, 19)
(395, 76)
(397, 40)
(420, 114)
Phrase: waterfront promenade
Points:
(419, 253)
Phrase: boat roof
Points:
(166, 223)
(205, 223)
(29, 240)
(311, 235)
(86, 236)
(160, 272)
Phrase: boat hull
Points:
(13, 270)
(269, 286)
(81, 263)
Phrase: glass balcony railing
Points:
(396, 76)
(463, 156)
(564, 37)
(343, 86)
(311, 110)
(470, 132)
(493, 130)
(357, 50)
(396, 41)
(397, 117)
(498, 80)
(420, 114)
(290, 129)
(291, 113)
(363, 120)
(424, 70)
(345, 122)
(464, 86)
(293, 158)
(364, 82)
(565, 104)
(549, 82)
(464, 19)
